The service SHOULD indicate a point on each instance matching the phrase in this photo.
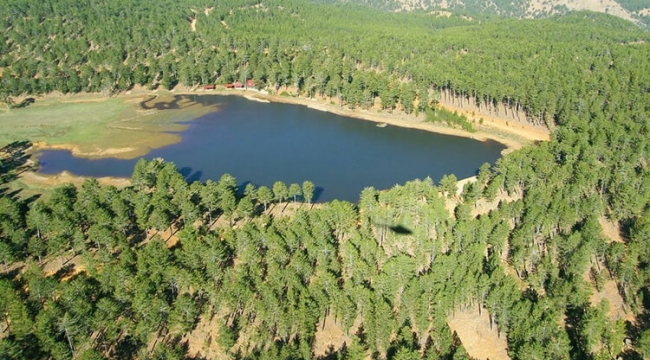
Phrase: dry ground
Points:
(478, 339)
(331, 336)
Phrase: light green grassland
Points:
(98, 126)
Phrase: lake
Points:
(265, 142)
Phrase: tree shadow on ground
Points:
(25, 103)
(177, 102)
(14, 160)
(400, 230)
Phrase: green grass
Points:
(57, 122)
(93, 124)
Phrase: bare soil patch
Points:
(168, 235)
(202, 342)
(513, 133)
(617, 308)
(604, 6)
(53, 265)
(41, 180)
(288, 208)
(330, 336)
(484, 206)
(98, 153)
(611, 230)
(478, 339)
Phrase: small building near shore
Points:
(208, 87)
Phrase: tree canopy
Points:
(138, 268)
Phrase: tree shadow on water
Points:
(318, 192)
(190, 175)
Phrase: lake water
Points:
(262, 143)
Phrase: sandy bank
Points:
(41, 180)
(122, 153)
(253, 98)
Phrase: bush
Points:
(452, 119)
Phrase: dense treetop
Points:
(524, 243)
(358, 55)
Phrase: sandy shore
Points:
(41, 180)
(126, 152)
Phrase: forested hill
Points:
(359, 56)
(637, 11)
(551, 245)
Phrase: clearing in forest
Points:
(611, 229)
(331, 337)
(478, 339)
(202, 341)
(617, 309)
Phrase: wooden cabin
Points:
(250, 83)
(208, 87)
(239, 85)
(230, 85)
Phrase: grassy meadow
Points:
(95, 126)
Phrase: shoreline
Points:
(118, 153)
(515, 136)
(512, 136)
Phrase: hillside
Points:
(545, 255)
(637, 11)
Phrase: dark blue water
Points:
(262, 143)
